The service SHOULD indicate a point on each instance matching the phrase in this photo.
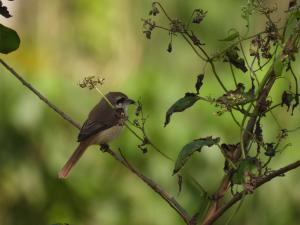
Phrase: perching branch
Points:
(42, 97)
(155, 187)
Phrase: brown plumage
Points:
(104, 124)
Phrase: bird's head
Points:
(119, 100)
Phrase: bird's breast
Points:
(107, 135)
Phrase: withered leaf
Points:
(233, 58)
(292, 4)
(4, 11)
(286, 99)
(270, 150)
(199, 82)
(199, 16)
(180, 105)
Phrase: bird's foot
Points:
(104, 147)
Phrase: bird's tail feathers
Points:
(64, 172)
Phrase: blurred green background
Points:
(64, 41)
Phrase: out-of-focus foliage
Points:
(64, 41)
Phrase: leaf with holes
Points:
(192, 147)
(182, 104)
(9, 40)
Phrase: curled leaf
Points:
(180, 105)
(199, 16)
(192, 147)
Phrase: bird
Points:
(103, 125)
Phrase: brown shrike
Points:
(104, 124)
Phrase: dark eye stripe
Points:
(121, 100)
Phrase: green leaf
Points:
(231, 37)
(247, 165)
(187, 101)
(9, 40)
(192, 147)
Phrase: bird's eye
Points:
(120, 100)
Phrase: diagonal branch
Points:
(155, 187)
(42, 97)
(259, 182)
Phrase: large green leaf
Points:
(187, 101)
(9, 40)
(192, 147)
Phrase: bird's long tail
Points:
(64, 172)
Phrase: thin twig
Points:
(42, 97)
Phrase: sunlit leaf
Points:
(192, 147)
(9, 40)
(187, 101)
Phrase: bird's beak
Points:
(130, 101)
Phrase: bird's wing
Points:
(100, 118)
